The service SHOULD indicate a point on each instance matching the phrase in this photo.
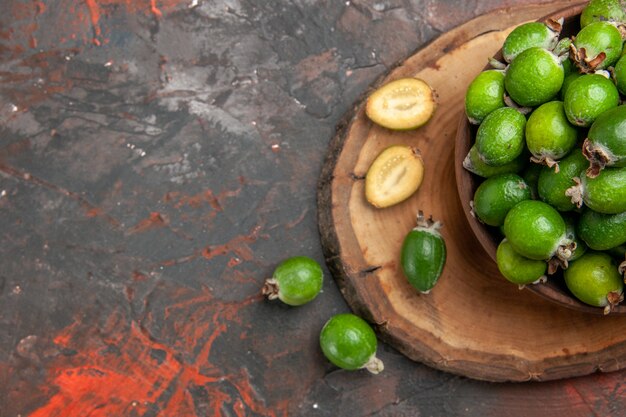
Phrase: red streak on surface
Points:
(155, 10)
(155, 220)
(143, 374)
(94, 16)
(237, 245)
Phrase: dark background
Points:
(158, 158)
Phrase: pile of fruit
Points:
(550, 148)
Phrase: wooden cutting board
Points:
(473, 323)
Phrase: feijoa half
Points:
(403, 104)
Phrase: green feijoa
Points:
(602, 231)
(571, 224)
(605, 193)
(587, 97)
(517, 268)
(619, 74)
(528, 35)
(569, 78)
(500, 137)
(549, 135)
(349, 342)
(531, 176)
(568, 67)
(495, 196)
(484, 94)
(552, 184)
(602, 11)
(423, 254)
(537, 231)
(595, 280)
(534, 77)
(596, 46)
(296, 281)
(474, 164)
(606, 141)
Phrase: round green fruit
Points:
(534, 77)
(518, 269)
(596, 46)
(619, 74)
(537, 231)
(587, 97)
(602, 11)
(553, 184)
(595, 280)
(296, 281)
(350, 343)
(606, 141)
(475, 165)
(495, 196)
(423, 254)
(500, 138)
(528, 35)
(484, 95)
(549, 135)
(605, 193)
(602, 231)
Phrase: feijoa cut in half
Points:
(605, 193)
(518, 269)
(403, 104)
(606, 141)
(396, 173)
(349, 342)
(595, 280)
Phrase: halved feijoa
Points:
(403, 104)
(394, 176)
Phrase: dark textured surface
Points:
(157, 160)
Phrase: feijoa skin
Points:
(596, 46)
(587, 97)
(595, 280)
(500, 137)
(569, 78)
(606, 141)
(602, 11)
(518, 269)
(296, 281)
(484, 95)
(531, 176)
(534, 77)
(552, 185)
(619, 74)
(495, 196)
(602, 231)
(475, 165)
(423, 254)
(349, 342)
(571, 223)
(605, 193)
(537, 231)
(528, 35)
(549, 135)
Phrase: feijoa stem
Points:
(575, 192)
(427, 224)
(546, 160)
(374, 365)
(597, 156)
(614, 298)
(622, 269)
(270, 289)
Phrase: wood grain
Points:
(473, 323)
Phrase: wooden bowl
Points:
(489, 237)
